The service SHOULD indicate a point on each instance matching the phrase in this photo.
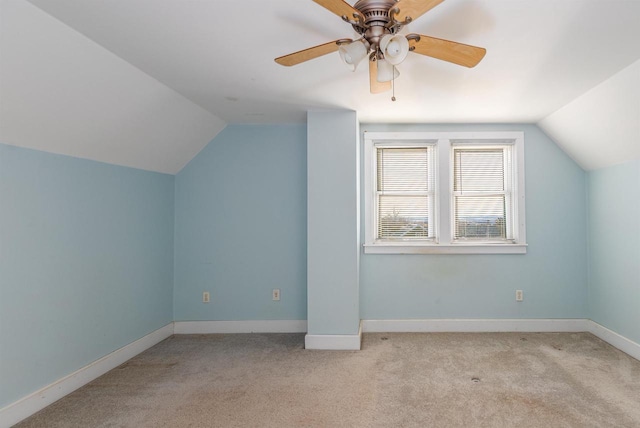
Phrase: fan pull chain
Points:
(393, 84)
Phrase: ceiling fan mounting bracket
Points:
(357, 22)
(394, 21)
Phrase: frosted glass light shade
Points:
(352, 53)
(394, 48)
(386, 71)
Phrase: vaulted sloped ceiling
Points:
(601, 127)
(61, 92)
(147, 83)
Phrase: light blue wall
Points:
(553, 273)
(87, 252)
(85, 263)
(614, 248)
(240, 226)
(333, 222)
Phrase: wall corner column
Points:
(333, 230)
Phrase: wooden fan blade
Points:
(307, 54)
(375, 86)
(414, 9)
(446, 50)
(342, 9)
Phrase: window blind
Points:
(481, 194)
(404, 193)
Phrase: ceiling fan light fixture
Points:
(394, 48)
(378, 23)
(352, 53)
(386, 71)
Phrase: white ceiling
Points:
(217, 58)
(541, 54)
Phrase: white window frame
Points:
(443, 242)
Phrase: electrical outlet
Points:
(519, 296)
(206, 297)
(276, 294)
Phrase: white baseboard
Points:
(250, 326)
(334, 342)
(27, 406)
(614, 339)
(474, 325)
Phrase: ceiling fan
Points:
(379, 23)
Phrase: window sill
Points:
(412, 248)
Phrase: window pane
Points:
(480, 217)
(404, 185)
(480, 194)
(403, 169)
(478, 170)
(403, 217)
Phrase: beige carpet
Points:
(397, 380)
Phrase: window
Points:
(482, 194)
(444, 192)
(405, 193)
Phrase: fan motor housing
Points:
(376, 13)
(376, 20)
